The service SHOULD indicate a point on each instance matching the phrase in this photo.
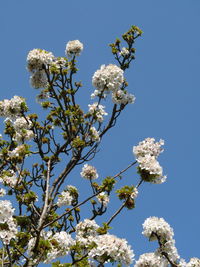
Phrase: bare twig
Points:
(129, 166)
(44, 212)
(116, 213)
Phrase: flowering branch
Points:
(39, 156)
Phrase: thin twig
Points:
(129, 166)
(46, 197)
(116, 213)
(2, 263)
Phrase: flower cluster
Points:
(135, 193)
(103, 198)
(194, 262)
(89, 172)
(86, 231)
(13, 108)
(22, 123)
(110, 79)
(146, 153)
(124, 52)
(151, 260)
(148, 147)
(67, 197)
(22, 128)
(122, 97)
(110, 248)
(59, 62)
(158, 229)
(63, 241)
(58, 245)
(38, 58)
(8, 228)
(73, 48)
(18, 151)
(154, 226)
(8, 178)
(64, 199)
(93, 135)
(2, 192)
(97, 111)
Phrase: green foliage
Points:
(145, 175)
(27, 198)
(78, 143)
(58, 264)
(125, 193)
(107, 184)
(24, 237)
(104, 229)
(24, 222)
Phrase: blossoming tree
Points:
(38, 154)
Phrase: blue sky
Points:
(164, 78)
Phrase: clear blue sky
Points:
(164, 79)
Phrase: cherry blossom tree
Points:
(41, 218)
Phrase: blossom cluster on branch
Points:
(39, 152)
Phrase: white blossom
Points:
(72, 188)
(98, 93)
(94, 134)
(24, 135)
(64, 199)
(146, 153)
(22, 123)
(183, 263)
(108, 78)
(2, 192)
(9, 178)
(6, 218)
(63, 243)
(151, 260)
(6, 210)
(152, 166)
(22, 128)
(98, 111)
(111, 248)
(124, 52)
(7, 234)
(135, 193)
(103, 198)
(43, 235)
(37, 58)
(169, 248)
(158, 229)
(12, 108)
(18, 151)
(86, 231)
(59, 243)
(59, 62)
(194, 262)
(148, 147)
(86, 228)
(89, 172)
(122, 97)
(154, 226)
(73, 48)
